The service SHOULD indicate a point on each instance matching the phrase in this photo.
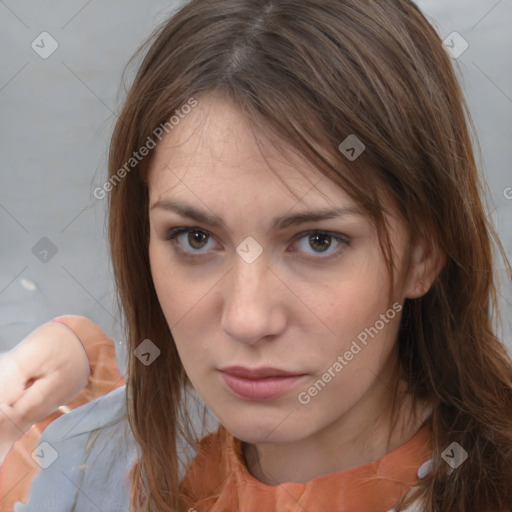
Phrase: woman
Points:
(305, 245)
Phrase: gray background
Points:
(57, 114)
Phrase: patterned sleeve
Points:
(100, 349)
(19, 467)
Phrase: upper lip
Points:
(258, 373)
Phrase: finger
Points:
(37, 402)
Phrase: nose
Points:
(253, 309)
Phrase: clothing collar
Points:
(218, 480)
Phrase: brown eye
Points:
(197, 239)
(320, 242)
(320, 245)
(192, 242)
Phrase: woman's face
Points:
(255, 274)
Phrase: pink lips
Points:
(259, 384)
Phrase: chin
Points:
(267, 430)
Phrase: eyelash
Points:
(343, 240)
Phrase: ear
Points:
(425, 263)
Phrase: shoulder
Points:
(98, 413)
(85, 458)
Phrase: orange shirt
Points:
(218, 481)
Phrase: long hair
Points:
(316, 72)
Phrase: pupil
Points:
(322, 242)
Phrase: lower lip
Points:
(260, 389)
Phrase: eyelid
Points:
(342, 239)
(174, 233)
(335, 234)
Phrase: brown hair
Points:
(316, 71)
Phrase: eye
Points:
(190, 240)
(194, 242)
(321, 243)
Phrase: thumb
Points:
(36, 403)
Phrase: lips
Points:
(259, 384)
(257, 373)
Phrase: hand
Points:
(45, 370)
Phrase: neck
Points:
(356, 439)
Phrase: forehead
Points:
(216, 151)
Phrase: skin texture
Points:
(295, 307)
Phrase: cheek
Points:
(354, 304)
(176, 288)
(363, 326)
(350, 366)
(183, 297)
(161, 273)
(173, 292)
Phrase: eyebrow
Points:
(188, 211)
